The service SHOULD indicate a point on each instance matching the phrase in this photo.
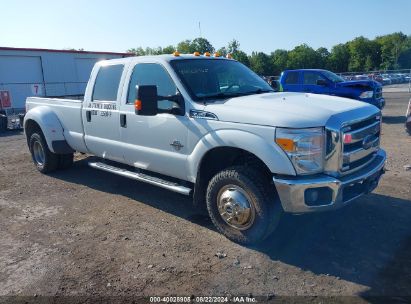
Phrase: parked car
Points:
(395, 79)
(10, 118)
(386, 80)
(326, 82)
(361, 77)
(210, 128)
(376, 77)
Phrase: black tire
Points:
(408, 127)
(262, 197)
(45, 161)
(65, 161)
(3, 123)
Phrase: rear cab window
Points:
(107, 83)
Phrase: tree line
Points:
(387, 52)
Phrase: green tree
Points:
(186, 47)
(137, 51)
(339, 58)
(169, 49)
(323, 55)
(391, 51)
(152, 51)
(242, 57)
(391, 47)
(404, 59)
(201, 45)
(261, 64)
(303, 57)
(222, 51)
(279, 60)
(364, 54)
(233, 46)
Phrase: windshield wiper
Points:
(223, 95)
(259, 91)
(219, 96)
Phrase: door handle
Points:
(88, 116)
(123, 120)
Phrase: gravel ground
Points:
(90, 234)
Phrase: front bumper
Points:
(379, 103)
(332, 192)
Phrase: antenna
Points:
(199, 28)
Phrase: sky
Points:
(259, 25)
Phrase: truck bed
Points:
(68, 112)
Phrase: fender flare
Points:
(269, 153)
(50, 125)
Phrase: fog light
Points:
(312, 195)
(318, 196)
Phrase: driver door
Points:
(310, 83)
(155, 143)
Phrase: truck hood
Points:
(293, 110)
(359, 84)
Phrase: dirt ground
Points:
(87, 233)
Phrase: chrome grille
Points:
(344, 157)
(360, 143)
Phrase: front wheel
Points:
(242, 205)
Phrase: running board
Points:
(142, 178)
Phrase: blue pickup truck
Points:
(326, 82)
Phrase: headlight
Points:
(367, 94)
(304, 147)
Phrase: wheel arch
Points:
(221, 150)
(46, 120)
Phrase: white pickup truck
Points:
(209, 127)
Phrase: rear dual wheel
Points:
(45, 160)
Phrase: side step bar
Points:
(142, 178)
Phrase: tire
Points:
(65, 161)
(239, 185)
(408, 127)
(45, 160)
(3, 123)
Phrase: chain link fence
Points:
(394, 81)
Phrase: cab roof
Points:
(160, 58)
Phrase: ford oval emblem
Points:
(367, 142)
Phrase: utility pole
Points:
(199, 28)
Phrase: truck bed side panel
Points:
(69, 115)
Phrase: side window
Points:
(152, 74)
(292, 78)
(107, 83)
(310, 78)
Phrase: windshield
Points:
(333, 77)
(208, 79)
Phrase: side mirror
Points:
(275, 85)
(146, 102)
(322, 82)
